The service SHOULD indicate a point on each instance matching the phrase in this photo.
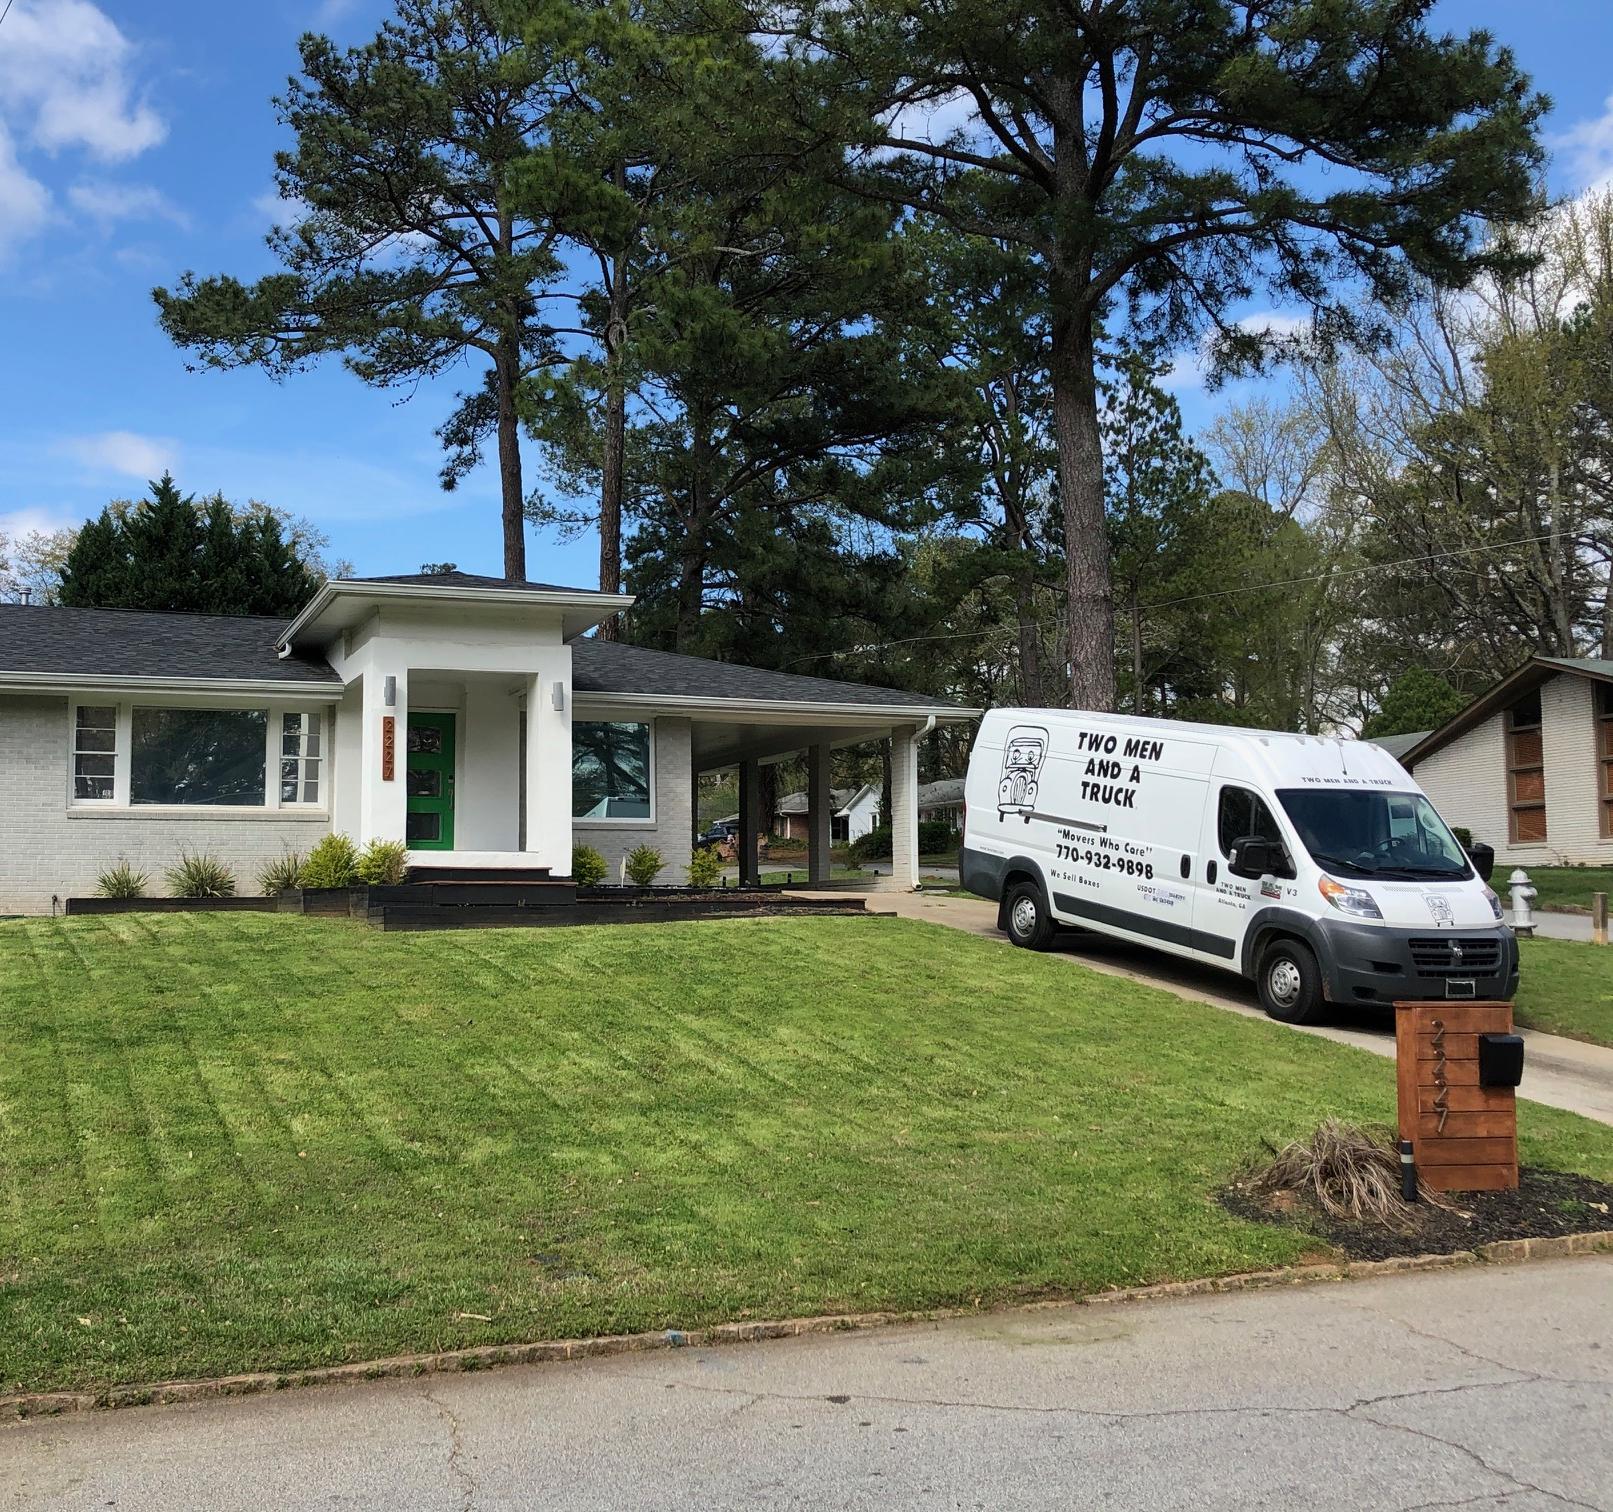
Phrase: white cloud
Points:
(24, 201)
(107, 202)
(65, 84)
(21, 523)
(1588, 148)
(1191, 370)
(122, 452)
(64, 70)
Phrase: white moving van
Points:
(1314, 866)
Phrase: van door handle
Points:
(1209, 872)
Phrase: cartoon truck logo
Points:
(1023, 754)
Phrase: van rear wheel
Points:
(1030, 926)
(1290, 982)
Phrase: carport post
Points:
(904, 816)
(820, 814)
(750, 803)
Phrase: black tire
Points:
(1290, 982)
(1026, 919)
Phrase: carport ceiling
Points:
(722, 744)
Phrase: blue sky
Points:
(136, 141)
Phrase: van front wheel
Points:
(1290, 982)
(1029, 924)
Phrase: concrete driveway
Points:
(1488, 1387)
(1562, 1073)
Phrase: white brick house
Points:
(1528, 766)
(453, 712)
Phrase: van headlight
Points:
(1355, 901)
(1495, 903)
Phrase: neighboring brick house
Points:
(453, 712)
(1528, 766)
(855, 812)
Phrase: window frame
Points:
(123, 757)
(1602, 736)
(641, 822)
(277, 719)
(1511, 730)
(1289, 870)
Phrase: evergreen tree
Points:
(408, 255)
(1161, 161)
(169, 552)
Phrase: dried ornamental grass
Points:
(1352, 1173)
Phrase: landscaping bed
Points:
(1546, 1204)
(242, 1141)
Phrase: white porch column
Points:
(548, 762)
(382, 800)
(750, 813)
(820, 814)
(904, 819)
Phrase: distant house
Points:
(856, 811)
(1528, 766)
(942, 802)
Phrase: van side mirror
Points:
(1483, 858)
(1254, 857)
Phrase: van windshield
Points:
(1360, 832)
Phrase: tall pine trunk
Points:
(615, 438)
(692, 557)
(506, 368)
(1086, 543)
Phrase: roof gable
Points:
(1534, 673)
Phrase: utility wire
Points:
(6, 12)
(1193, 598)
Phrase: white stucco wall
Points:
(48, 847)
(1467, 781)
(671, 829)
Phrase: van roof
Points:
(1283, 757)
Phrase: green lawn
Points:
(252, 1140)
(798, 874)
(1562, 887)
(1566, 987)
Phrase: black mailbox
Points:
(1500, 1060)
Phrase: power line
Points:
(6, 12)
(1192, 598)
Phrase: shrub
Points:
(331, 863)
(281, 875)
(121, 881)
(935, 835)
(644, 865)
(384, 863)
(1349, 1172)
(705, 867)
(200, 875)
(587, 866)
(1464, 836)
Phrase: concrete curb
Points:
(488, 1356)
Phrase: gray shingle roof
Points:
(1398, 745)
(609, 667)
(936, 794)
(49, 639)
(467, 580)
(796, 803)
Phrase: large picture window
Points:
(1526, 772)
(209, 757)
(610, 771)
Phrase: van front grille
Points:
(1457, 956)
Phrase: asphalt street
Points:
(1488, 1387)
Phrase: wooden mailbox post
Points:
(1464, 1135)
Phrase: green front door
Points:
(429, 778)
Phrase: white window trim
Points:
(118, 804)
(641, 822)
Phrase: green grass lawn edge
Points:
(238, 1142)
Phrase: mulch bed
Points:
(1545, 1205)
